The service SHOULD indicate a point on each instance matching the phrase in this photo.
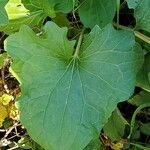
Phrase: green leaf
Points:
(3, 14)
(145, 129)
(67, 98)
(19, 15)
(142, 13)
(40, 5)
(115, 127)
(97, 12)
(61, 20)
(141, 98)
(62, 6)
(50, 7)
(143, 78)
(32, 13)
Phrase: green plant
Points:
(73, 75)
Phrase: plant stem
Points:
(139, 146)
(118, 10)
(122, 27)
(134, 117)
(138, 34)
(76, 54)
(142, 37)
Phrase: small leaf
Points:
(67, 98)
(97, 12)
(50, 7)
(61, 20)
(115, 127)
(145, 129)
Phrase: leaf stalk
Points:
(134, 117)
(76, 54)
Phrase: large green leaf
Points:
(3, 14)
(97, 12)
(143, 77)
(142, 13)
(66, 100)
